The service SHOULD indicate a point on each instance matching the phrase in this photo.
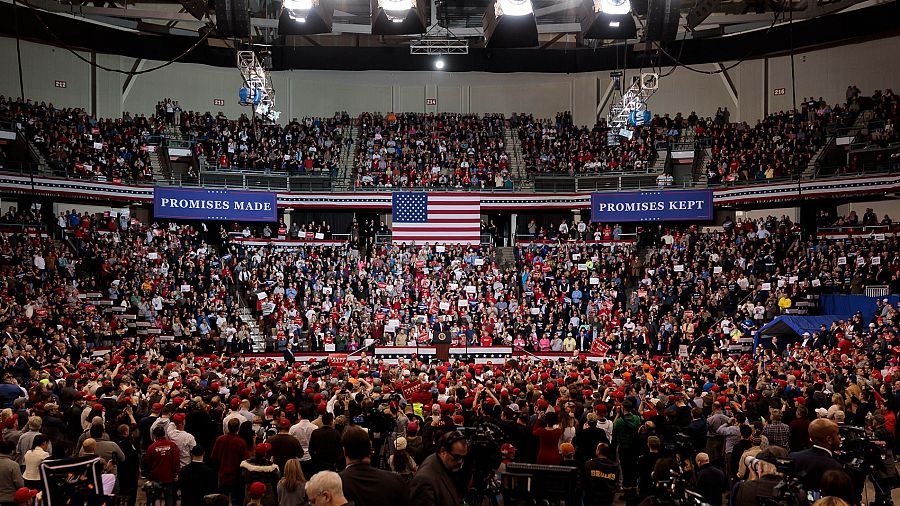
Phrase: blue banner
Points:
(672, 205)
(201, 204)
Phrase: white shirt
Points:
(302, 431)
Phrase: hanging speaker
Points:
(232, 18)
(662, 21)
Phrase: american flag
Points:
(446, 218)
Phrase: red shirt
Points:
(163, 461)
(227, 454)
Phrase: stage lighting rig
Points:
(510, 23)
(607, 19)
(258, 91)
(305, 17)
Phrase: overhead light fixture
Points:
(305, 17)
(398, 17)
(513, 8)
(607, 19)
(614, 7)
(510, 23)
(439, 64)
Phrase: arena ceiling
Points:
(736, 29)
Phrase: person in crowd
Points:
(197, 479)
(812, 463)
(33, 459)
(401, 462)
(601, 478)
(227, 454)
(326, 489)
(163, 464)
(746, 493)
(436, 482)
(710, 481)
(325, 445)
(283, 446)
(363, 483)
(291, 489)
(260, 469)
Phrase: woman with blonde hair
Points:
(837, 404)
(292, 487)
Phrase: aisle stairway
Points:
(516, 163)
(259, 341)
(505, 255)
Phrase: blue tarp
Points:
(793, 326)
(841, 304)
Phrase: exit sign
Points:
(60, 84)
(779, 92)
(218, 101)
(430, 101)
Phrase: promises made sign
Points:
(201, 204)
(673, 205)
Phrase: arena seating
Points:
(304, 146)
(432, 151)
(561, 147)
(78, 145)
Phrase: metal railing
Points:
(532, 238)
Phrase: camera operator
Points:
(745, 493)
(811, 464)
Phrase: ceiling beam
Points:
(553, 9)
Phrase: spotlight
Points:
(398, 17)
(510, 23)
(439, 64)
(607, 19)
(305, 17)
(615, 7)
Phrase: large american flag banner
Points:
(445, 218)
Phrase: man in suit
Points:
(710, 481)
(441, 327)
(435, 483)
(364, 484)
(811, 464)
(196, 479)
(289, 358)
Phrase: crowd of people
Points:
(307, 146)
(76, 144)
(127, 344)
(562, 147)
(442, 150)
(780, 145)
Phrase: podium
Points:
(441, 344)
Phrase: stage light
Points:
(614, 7)
(439, 64)
(607, 19)
(305, 17)
(513, 8)
(510, 23)
(398, 17)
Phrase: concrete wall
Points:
(826, 72)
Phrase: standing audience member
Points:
(292, 487)
(197, 479)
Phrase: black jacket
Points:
(811, 464)
(711, 484)
(365, 485)
(745, 493)
(600, 481)
(433, 485)
(196, 480)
